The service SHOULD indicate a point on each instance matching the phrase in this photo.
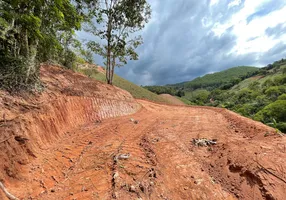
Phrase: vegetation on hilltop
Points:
(261, 97)
(224, 79)
(257, 93)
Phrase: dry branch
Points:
(8, 194)
(268, 171)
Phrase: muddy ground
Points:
(150, 155)
(146, 155)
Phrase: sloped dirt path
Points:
(155, 159)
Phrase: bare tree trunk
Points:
(108, 67)
(113, 66)
(31, 60)
(108, 63)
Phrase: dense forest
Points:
(261, 97)
(224, 79)
(257, 93)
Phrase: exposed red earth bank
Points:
(83, 139)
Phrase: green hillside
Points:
(261, 96)
(135, 90)
(226, 78)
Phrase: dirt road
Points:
(155, 159)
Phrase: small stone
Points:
(52, 190)
(132, 188)
(198, 181)
(115, 175)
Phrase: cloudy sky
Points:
(189, 38)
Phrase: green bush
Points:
(199, 97)
(276, 110)
(254, 85)
(248, 110)
(13, 72)
(282, 97)
(245, 96)
(274, 91)
(281, 126)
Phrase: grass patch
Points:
(186, 101)
(135, 90)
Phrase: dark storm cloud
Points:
(179, 47)
(179, 44)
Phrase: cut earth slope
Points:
(78, 147)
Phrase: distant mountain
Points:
(261, 96)
(257, 93)
(225, 78)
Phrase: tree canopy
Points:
(32, 32)
(114, 23)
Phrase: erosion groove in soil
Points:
(78, 148)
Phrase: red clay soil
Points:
(173, 100)
(146, 155)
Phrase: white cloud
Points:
(213, 2)
(251, 36)
(206, 22)
(249, 8)
(256, 29)
(234, 3)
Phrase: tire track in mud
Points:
(132, 173)
(103, 154)
(153, 159)
(176, 158)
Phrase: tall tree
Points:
(115, 23)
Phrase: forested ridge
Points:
(224, 79)
(257, 93)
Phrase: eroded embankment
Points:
(70, 154)
(29, 125)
